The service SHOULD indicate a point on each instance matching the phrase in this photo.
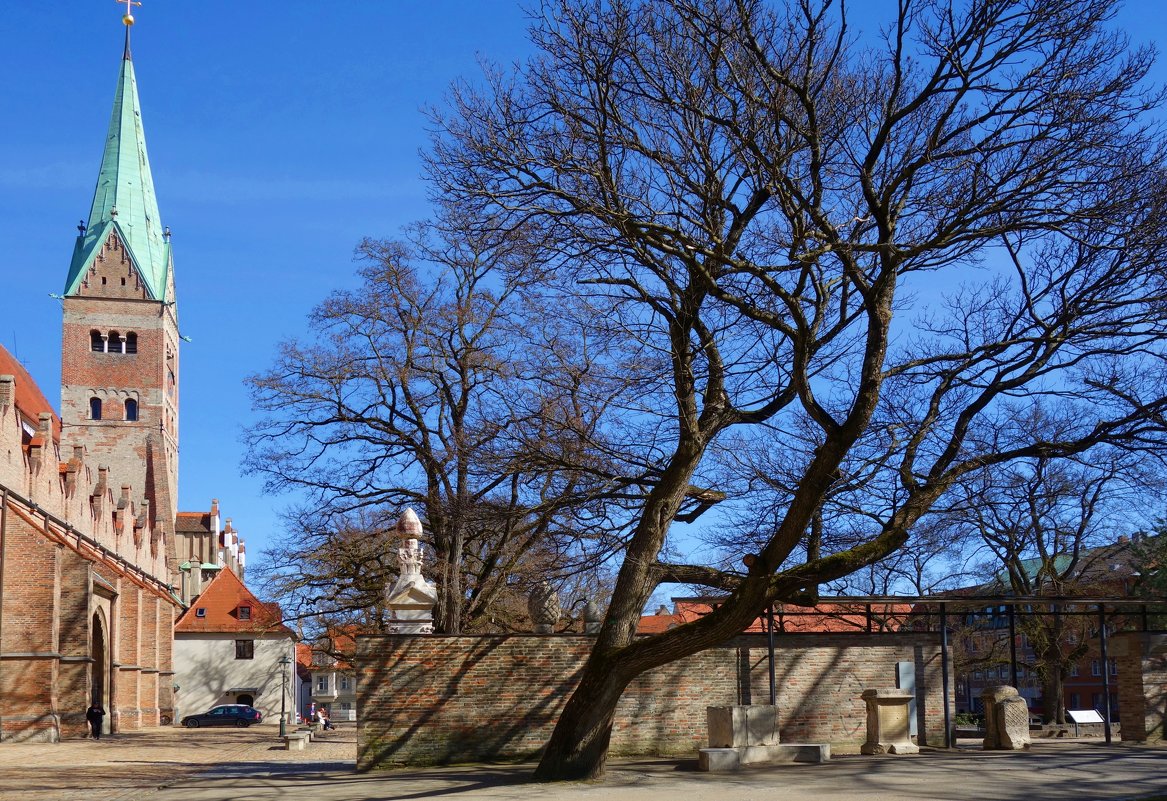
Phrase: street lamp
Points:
(285, 660)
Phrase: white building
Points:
(231, 648)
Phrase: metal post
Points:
(1105, 672)
(770, 645)
(284, 662)
(1012, 644)
(948, 738)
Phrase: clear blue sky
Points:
(280, 132)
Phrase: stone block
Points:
(1006, 719)
(295, 741)
(718, 760)
(1013, 724)
(888, 724)
(740, 726)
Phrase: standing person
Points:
(95, 715)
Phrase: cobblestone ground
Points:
(131, 765)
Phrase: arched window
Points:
(115, 342)
(95, 408)
(131, 409)
(96, 342)
(131, 342)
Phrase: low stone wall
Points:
(432, 699)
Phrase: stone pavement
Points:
(217, 765)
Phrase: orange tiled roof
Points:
(30, 401)
(221, 600)
(821, 619)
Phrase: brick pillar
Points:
(148, 659)
(165, 661)
(127, 713)
(73, 680)
(1142, 676)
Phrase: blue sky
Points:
(280, 132)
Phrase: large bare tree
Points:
(882, 254)
(444, 381)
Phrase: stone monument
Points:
(543, 606)
(411, 599)
(748, 735)
(1006, 719)
(888, 723)
(593, 618)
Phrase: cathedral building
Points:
(88, 558)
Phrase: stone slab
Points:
(728, 760)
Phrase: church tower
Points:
(119, 359)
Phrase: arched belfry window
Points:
(131, 342)
(115, 342)
(131, 409)
(96, 342)
(95, 408)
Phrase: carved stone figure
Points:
(543, 606)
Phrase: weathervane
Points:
(128, 18)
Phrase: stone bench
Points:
(296, 740)
(748, 735)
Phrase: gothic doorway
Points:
(98, 685)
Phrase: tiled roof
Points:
(193, 522)
(30, 401)
(221, 601)
(820, 619)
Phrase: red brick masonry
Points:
(431, 699)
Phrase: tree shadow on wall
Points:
(515, 726)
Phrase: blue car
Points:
(238, 715)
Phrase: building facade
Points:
(87, 498)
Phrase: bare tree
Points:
(876, 254)
(447, 383)
(1051, 528)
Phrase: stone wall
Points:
(435, 699)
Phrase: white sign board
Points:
(1084, 716)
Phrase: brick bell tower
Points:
(119, 356)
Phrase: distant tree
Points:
(445, 381)
(754, 202)
(1050, 527)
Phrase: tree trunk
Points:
(578, 748)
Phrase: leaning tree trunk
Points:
(578, 748)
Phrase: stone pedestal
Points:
(1006, 719)
(888, 722)
(748, 735)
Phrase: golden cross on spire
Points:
(128, 19)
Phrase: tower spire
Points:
(128, 21)
(124, 199)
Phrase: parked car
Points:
(225, 715)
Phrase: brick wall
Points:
(435, 699)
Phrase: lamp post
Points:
(285, 660)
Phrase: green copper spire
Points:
(124, 200)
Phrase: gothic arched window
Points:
(115, 342)
(96, 342)
(131, 409)
(131, 342)
(95, 408)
